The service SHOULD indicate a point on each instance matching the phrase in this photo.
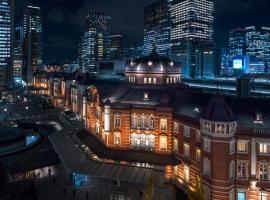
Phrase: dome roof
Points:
(154, 63)
(218, 110)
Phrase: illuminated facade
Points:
(32, 44)
(116, 49)
(191, 26)
(95, 42)
(6, 42)
(222, 140)
(157, 28)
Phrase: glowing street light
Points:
(5, 110)
(26, 107)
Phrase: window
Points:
(145, 96)
(241, 195)
(263, 171)
(232, 147)
(232, 170)
(242, 170)
(198, 155)
(258, 118)
(175, 145)
(118, 197)
(152, 121)
(186, 150)
(145, 80)
(206, 144)
(206, 167)
(163, 124)
(242, 146)
(186, 173)
(117, 120)
(149, 80)
(163, 142)
(117, 138)
(155, 80)
(264, 148)
(198, 136)
(186, 131)
(175, 127)
(220, 128)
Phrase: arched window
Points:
(117, 138)
(232, 169)
(206, 167)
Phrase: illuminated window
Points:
(117, 138)
(241, 195)
(175, 127)
(175, 145)
(198, 155)
(163, 124)
(258, 118)
(117, 121)
(155, 80)
(145, 80)
(186, 173)
(145, 96)
(149, 80)
(186, 150)
(264, 148)
(163, 142)
(242, 146)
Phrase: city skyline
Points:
(63, 25)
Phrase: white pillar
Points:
(107, 119)
(253, 159)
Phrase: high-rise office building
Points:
(157, 28)
(191, 27)
(116, 49)
(18, 54)
(6, 42)
(32, 44)
(255, 44)
(95, 42)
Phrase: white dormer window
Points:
(145, 96)
(258, 118)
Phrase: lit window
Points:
(258, 118)
(145, 96)
(117, 138)
(242, 146)
(264, 148)
(145, 80)
(198, 155)
(206, 144)
(220, 128)
(263, 171)
(155, 80)
(241, 195)
(149, 80)
(163, 124)
(163, 142)
(186, 173)
(117, 121)
(186, 131)
(186, 150)
(175, 145)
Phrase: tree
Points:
(149, 189)
(196, 192)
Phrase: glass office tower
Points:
(6, 42)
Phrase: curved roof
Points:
(218, 110)
(154, 63)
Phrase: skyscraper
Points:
(191, 27)
(32, 44)
(116, 49)
(254, 43)
(18, 53)
(157, 27)
(95, 42)
(6, 41)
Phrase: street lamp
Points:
(26, 107)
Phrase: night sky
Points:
(62, 20)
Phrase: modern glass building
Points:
(32, 44)
(254, 43)
(6, 41)
(191, 27)
(157, 28)
(18, 54)
(95, 42)
(116, 49)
